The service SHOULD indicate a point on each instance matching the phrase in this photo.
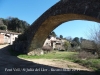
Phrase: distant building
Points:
(55, 43)
(7, 37)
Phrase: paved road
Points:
(11, 65)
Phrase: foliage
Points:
(88, 60)
(88, 44)
(61, 36)
(3, 27)
(94, 35)
(86, 55)
(53, 34)
(15, 24)
(76, 39)
(47, 48)
(51, 55)
(93, 64)
(5, 21)
(69, 38)
(66, 44)
(74, 44)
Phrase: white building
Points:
(7, 37)
(50, 41)
(54, 42)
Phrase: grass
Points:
(93, 64)
(52, 55)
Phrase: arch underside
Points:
(51, 23)
(63, 11)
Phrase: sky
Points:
(30, 10)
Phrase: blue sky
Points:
(30, 10)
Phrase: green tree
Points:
(76, 39)
(3, 27)
(66, 45)
(53, 34)
(74, 44)
(5, 21)
(61, 36)
(17, 25)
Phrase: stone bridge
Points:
(63, 11)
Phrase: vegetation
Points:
(93, 64)
(3, 27)
(47, 48)
(66, 45)
(75, 42)
(94, 35)
(53, 34)
(13, 24)
(51, 55)
(61, 36)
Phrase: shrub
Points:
(3, 27)
(86, 55)
(47, 48)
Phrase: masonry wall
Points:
(1, 39)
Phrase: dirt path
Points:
(59, 63)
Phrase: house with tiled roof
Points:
(54, 42)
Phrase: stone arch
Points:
(63, 11)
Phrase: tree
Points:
(76, 39)
(66, 44)
(3, 27)
(74, 44)
(94, 34)
(5, 22)
(47, 48)
(61, 36)
(88, 44)
(53, 34)
(69, 38)
(17, 25)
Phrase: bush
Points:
(3, 27)
(47, 48)
(86, 55)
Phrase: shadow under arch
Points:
(53, 22)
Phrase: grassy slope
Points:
(53, 55)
